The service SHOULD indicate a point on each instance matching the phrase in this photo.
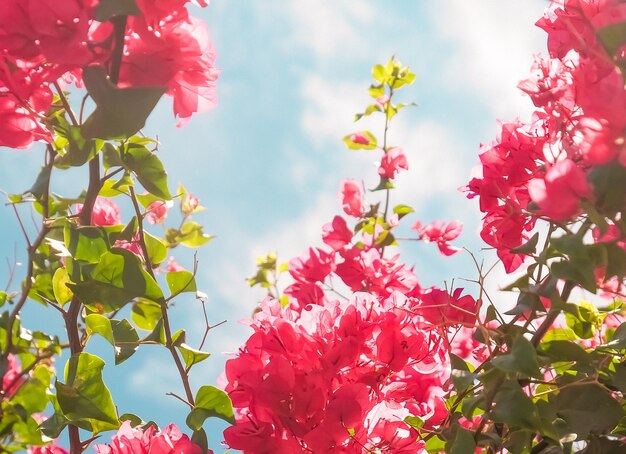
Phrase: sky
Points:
(267, 162)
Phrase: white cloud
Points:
(329, 28)
(494, 41)
(329, 108)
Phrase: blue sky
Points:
(268, 161)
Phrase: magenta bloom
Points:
(157, 212)
(559, 193)
(360, 138)
(441, 233)
(130, 440)
(351, 197)
(393, 161)
(49, 449)
(105, 212)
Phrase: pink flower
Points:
(441, 233)
(360, 138)
(393, 161)
(351, 197)
(157, 211)
(11, 380)
(49, 449)
(441, 308)
(337, 234)
(190, 203)
(133, 246)
(137, 441)
(560, 192)
(173, 266)
(105, 212)
(18, 128)
(179, 56)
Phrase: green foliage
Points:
(120, 112)
(84, 399)
(181, 281)
(119, 333)
(210, 402)
(114, 281)
(191, 234)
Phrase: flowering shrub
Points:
(355, 355)
(91, 261)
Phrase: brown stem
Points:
(551, 317)
(73, 313)
(119, 25)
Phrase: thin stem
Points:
(119, 24)
(66, 104)
(32, 250)
(169, 344)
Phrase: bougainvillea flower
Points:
(105, 212)
(351, 196)
(392, 162)
(560, 192)
(441, 233)
(137, 441)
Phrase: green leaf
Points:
(84, 396)
(79, 149)
(612, 37)
(587, 408)
(618, 341)
(86, 243)
(580, 273)
(31, 395)
(111, 156)
(180, 282)
(112, 188)
(461, 376)
(62, 292)
(119, 333)
(380, 74)
(191, 235)
(210, 402)
(120, 112)
(376, 90)
(522, 358)
(368, 111)
(3, 298)
(582, 318)
(157, 251)
(402, 210)
(435, 445)
(157, 335)
(146, 314)
(134, 419)
(528, 248)
(463, 442)
(107, 9)
(41, 183)
(191, 355)
(117, 279)
(149, 170)
(515, 408)
(414, 421)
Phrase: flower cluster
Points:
(137, 441)
(543, 169)
(45, 43)
(358, 351)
